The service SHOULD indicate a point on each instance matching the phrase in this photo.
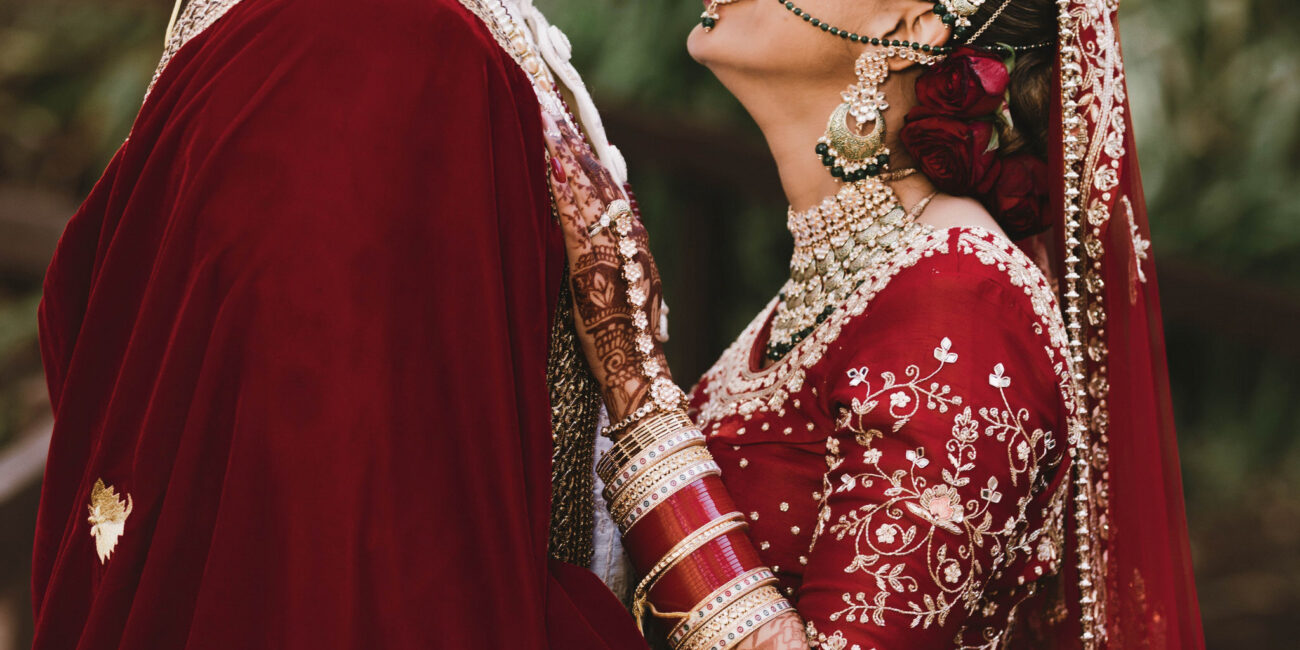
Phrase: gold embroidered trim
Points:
(575, 410)
(1092, 111)
(512, 38)
(107, 518)
(732, 388)
(197, 17)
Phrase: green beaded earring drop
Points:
(709, 19)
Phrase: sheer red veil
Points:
(1129, 584)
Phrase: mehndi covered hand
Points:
(617, 304)
(617, 293)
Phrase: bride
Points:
(951, 426)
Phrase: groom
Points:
(296, 342)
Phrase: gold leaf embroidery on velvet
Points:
(107, 518)
(948, 524)
(941, 508)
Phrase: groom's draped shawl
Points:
(299, 330)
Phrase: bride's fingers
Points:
(594, 188)
(573, 222)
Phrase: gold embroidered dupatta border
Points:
(575, 395)
(197, 16)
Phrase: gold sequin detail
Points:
(575, 408)
(107, 518)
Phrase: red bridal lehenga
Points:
(966, 453)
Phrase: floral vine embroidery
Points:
(946, 528)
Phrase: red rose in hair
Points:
(953, 153)
(1019, 198)
(969, 83)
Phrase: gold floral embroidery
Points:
(822, 641)
(730, 388)
(881, 532)
(107, 518)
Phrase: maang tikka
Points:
(848, 154)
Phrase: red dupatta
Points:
(1131, 583)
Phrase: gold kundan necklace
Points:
(836, 246)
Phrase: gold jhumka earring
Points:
(846, 152)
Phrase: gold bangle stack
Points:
(770, 604)
(632, 510)
(643, 437)
(629, 472)
(643, 482)
(663, 453)
(693, 542)
(721, 599)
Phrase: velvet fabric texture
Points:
(302, 322)
(917, 440)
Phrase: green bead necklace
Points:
(870, 40)
(710, 20)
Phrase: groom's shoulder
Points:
(393, 26)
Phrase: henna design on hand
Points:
(603, 315)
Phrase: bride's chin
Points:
(697, 45)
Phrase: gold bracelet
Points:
(731, 620)
(642, 437)
(667, 397)
(691, 543)
(632, 510)
(684, 439)
(645, 480)
(744, 625)
(719, 601)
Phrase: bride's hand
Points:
(605, 321)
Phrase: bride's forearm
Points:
(785, 632)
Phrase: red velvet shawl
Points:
(302, 322)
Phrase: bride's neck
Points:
(793, 116)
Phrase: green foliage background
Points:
(1216, 94)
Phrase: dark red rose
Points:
(1019, 198)
(953, 153)
(969, 83)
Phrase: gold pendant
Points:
(107, 518)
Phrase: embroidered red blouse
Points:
(904, 468)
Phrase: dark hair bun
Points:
(1022, 23)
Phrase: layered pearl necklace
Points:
(836, 246)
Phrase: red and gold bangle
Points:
(645, 480)
(721, 599)
(729, 619)
(625, 474)
(645, 434)
(713, 565)
(627, 512)
(683, 549)
(769, 608)
(689, 508)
